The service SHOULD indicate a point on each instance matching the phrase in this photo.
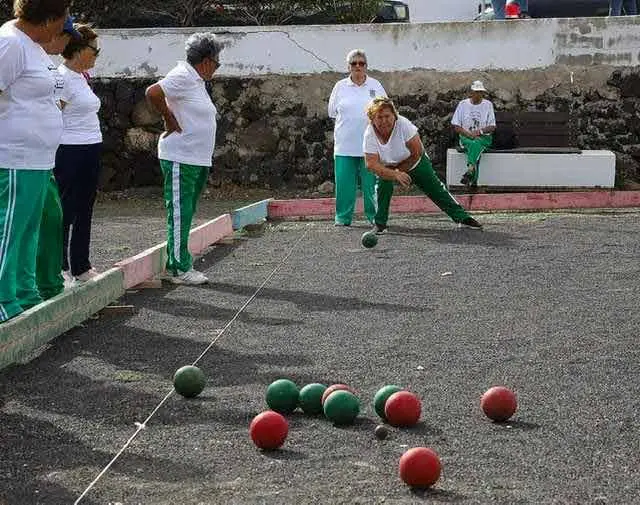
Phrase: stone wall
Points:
(273, 131)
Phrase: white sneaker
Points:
(68, 279)
(87, 276)
(192, 277)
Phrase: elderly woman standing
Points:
(186, 147)
(474, 120)
(347, 105)
(394, 152)
(78, 158)
(31, 126)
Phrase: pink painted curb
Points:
(209, 233)
(149, 263)
(487, 202)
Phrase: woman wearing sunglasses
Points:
(347, 105)
(78, 157)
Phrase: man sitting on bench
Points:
(474, 121)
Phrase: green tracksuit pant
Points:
(426, 179)
(474, 149)
(49, 260)
(349, 172)
(22, 195)
(182, 185)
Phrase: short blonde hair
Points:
(379, 103)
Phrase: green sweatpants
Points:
(426, 179)
(182, 187)
(474, 149)
(349, 172)
(21, 200)
(49, 260)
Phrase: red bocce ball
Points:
(499, 403)
(269, 430)
(420, 467)
(402, 409)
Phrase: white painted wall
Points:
(447, 47)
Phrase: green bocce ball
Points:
(381, 397)
(342, 407)
(189, 381)
(369, 239)
(282, 396)
(310, 400)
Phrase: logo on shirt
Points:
(372, 93)
(59, 80)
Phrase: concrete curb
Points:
(35, 327)
(22, 335)
(150, 262)
(281, 209)
(250, 214)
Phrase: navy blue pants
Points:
(77, 171)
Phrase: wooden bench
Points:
(535, 150)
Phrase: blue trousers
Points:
(77, 171)
(616, 7)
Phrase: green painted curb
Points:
(22, 335)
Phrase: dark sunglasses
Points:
(358, 63)
(96, 50)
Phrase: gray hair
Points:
(200, 46)
(355, 52)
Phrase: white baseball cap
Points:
(478, 86)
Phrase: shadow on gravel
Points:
(519, 425)
(284, 455)
(26, 467)
(123, 372)
(458, 236)
(193, 309)
(313, 302)
(438, 495)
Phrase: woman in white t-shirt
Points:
(78, 157)
(30, 129)
(185, 149)
(394, 152)
(347, 105)
(474, 121)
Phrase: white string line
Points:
(143, 425)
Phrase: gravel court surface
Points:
(543, 303)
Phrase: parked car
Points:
(554, 9)
(392, 11)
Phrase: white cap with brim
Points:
(478, 86)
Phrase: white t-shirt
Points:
(30, 120)
(395, 150)
(473, 117)
(80, 112)
(347, 104)
(190, 103)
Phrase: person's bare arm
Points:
(488, 129)
(464, 132)
(157, 100)
(375, 165)
(416, 149)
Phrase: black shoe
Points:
(471, 223)
(342, 224)
(466, 179)
(380, 229)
